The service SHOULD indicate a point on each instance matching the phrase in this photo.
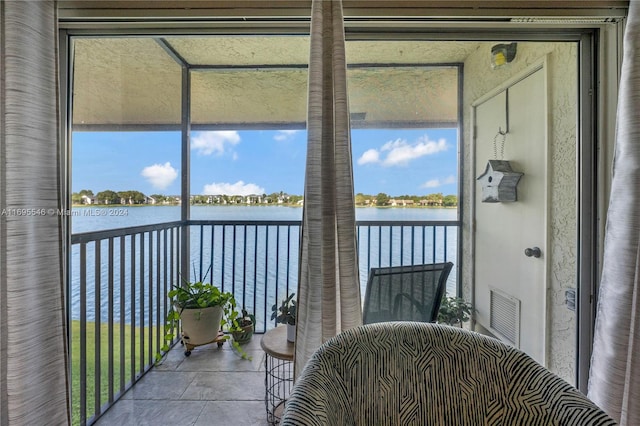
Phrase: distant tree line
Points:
(382, 199)
(273, 198)
(86, 196)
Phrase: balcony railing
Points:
(120, 279)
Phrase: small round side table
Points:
(278, 363)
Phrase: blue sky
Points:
(396, 161)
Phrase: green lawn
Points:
(117, 349)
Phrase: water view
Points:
(89, 219)
(258, 262)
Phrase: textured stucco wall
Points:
(479, 79)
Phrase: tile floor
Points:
(211, 387)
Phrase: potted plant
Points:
(204, 312)
(286, 314)
(454, 311)
(247, 324)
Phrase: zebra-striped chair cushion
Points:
(409, 373)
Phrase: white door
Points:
(509, 285)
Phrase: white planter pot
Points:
(200, 326)
(291, 333)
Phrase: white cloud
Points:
(435, 183)
(285, 135)
(369, 156)
(400, 152)
(238, 188)
(160, 175)
(214, 142)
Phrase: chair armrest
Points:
(318, 398)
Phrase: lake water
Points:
(94, 219)
(245, 260)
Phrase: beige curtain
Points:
(614, 381)
(33, 354)
(329, 285)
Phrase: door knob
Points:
(532, 252)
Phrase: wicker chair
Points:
(415, 373)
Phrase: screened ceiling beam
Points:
(173, 53)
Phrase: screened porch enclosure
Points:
(198, 100)
(191, 98)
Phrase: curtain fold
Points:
(34, 388)
(329, 284)
(614, 377)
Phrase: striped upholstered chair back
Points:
(411, 373)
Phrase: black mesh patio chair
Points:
(405, 293)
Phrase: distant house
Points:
(150, 200)
(88, 200)
(431, 202)
(400, 203)
(253, 199)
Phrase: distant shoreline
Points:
(110, 206)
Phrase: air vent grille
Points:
(504, 317)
